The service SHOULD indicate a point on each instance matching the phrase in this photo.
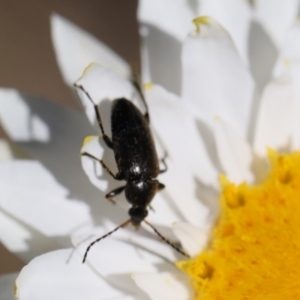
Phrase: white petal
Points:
(54, 276)
(235, 16)
(275, 118)
(161, 63)
(29, 125)
(92, 168)
(215, 81)
(164, 286)
(60, 155)
(164, 26)
(177, 130)
(295, 73)
(103, 85)
(7, 286)
(290, 50)
(192, 238)
(63, 129)
(116, 260)
(6, 151)
(163, 209)
(17, 242)
(181, 186)
(265, 52)
(234, 153)
(276, 16)
(75, 49)
(171, 16)
(289, 58)
(145, 57)
(30, 210)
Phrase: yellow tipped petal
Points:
(16, 290)
(203, 20)
(148, 85)
(88, 139)
(90, 66)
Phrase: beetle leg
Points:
(150, 206)
(102, 164)
(113, 193)
(163, 160)
(161, 186)
(105, 137)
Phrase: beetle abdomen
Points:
(133, 144)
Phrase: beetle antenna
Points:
(103, 237)
(79, 86)
(135, 79)
(166, 240)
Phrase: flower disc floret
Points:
(254, 251)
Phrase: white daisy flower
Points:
(217, 114)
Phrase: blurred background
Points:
(27, 60)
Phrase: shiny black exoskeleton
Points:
(135, 155)
(136, 158)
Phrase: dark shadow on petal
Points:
(60, 155)
(194, 4)
(253, 116)
(124, 283)
(38, 243)
(260, 166)
(164, 58)
(209, 142)
(262, 55)
(210, 198)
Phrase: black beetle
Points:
(136, 158)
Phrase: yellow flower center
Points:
(254, 250)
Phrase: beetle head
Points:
(137, 215)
